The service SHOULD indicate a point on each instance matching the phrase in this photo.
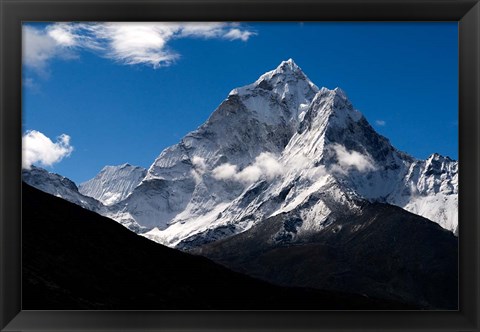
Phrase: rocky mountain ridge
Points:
(114, 183)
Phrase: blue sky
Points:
(124, 96)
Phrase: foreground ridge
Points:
(118, 274)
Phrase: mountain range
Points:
(292, 169)
(282, 136)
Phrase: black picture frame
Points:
(13, 12)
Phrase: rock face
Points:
(59, 186)
(268, 149)
(113, 184)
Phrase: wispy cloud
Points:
(380, 123)
(238, 34)
(63, 34)
(38, 48)
(38, 148)
(126, 43)
(29, 82)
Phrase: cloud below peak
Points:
(348, 160)
(265, 165)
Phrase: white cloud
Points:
(225, 172)
(127, 43)
(316, 173)
(265, 165)
(238, 34)
(38, 48)
(38, 148)
(249, 174)
(199, 164)
(63, 34)
(135, 43)
(199, 168)
(380, 123)
(351, 159)
(299, 162)
(201, 29)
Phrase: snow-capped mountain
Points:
(113, 184)
(59, 186)
(430, 189)
(275, 146)
(282, 162)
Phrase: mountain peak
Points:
(287, 71)
(286, 85)
(438, 157)
(114, 168)
(113, 183)
(288, 65)
(58, 185)
(42, 175)
(336, 94)
(332, 108)
(287, 77)
(340, 93)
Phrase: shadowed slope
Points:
(382, 251)
(76, 259)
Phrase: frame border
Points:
(13, 12)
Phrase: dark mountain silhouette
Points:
(76, 259)
(381, 251)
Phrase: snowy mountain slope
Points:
(335, 152)
(367, 163)
(59, 186)
(256, 118)
(113, 183)
(278, 145)
(430, 189)
(234, 134)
